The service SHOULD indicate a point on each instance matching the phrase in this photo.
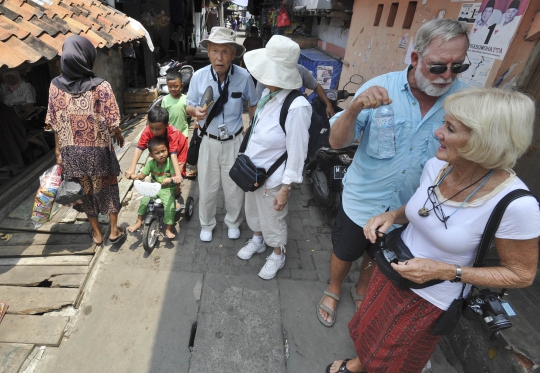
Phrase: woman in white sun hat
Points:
(266, 208)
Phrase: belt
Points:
(228, 138)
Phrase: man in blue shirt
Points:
(220, 145)
(375, 183)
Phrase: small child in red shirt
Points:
(177, 143)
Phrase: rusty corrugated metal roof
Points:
(32, 31)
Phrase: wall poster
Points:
(468, 12)
(495, 26)
(478, 72)
(324, 76)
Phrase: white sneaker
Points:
(251, 248)
(205, 236)
(234, 233)
(273, 264)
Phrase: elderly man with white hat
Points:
(266, 207)
(220, 145)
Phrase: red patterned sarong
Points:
(391, 330)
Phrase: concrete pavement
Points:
(141, 310)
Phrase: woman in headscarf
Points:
(15, 91)
(83, 111)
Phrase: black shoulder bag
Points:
(448, 321)
(243, 172)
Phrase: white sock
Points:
(278, 256)
(258, 239)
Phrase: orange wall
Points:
(373, 50)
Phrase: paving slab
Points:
(312, 346)
(239, 328)
(134, 320)
(12, 356)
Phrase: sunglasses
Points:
(441, 69)
(437, 209)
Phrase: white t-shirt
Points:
(427, 237)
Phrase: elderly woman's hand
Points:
(421, 270)
(381, 223)
(281, 199)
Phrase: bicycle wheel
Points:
(150, 235)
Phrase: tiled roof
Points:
(32, 30)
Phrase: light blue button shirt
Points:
(240, 87)
(373, 185)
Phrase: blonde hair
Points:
(501, 124)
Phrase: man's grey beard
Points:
(428, 87)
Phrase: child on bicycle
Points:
(161, 169)
(176, 142)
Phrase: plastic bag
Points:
(283, 18)
(49, 183)
(69, 192)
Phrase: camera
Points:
(223, 132)
(489, 305)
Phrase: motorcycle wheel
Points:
(150, 235)
(190, 207)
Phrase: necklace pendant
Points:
(423, 212)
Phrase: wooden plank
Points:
(137, 111)
(121, 151)
(70, 216)
(50, 227)
(124, 186)
(47, 250)
(24, 210)
(26, 238)
(67, 281)
(13, 355)
(61, 260)
(137, 105)
(55, 209)
(144, 157)
(34, 275)
(102, 219)
(38, 330)
(31, 300)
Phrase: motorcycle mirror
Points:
(356, 79)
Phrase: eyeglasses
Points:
(456, 68)
(437, 209)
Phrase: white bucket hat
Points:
(276, 65)
(222, 35)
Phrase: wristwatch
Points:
(287, 186)
(458, 274)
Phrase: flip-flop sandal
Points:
(91, 232)
(356, 297)
(332, 313)
(342, 368)
(117, 239)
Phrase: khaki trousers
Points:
(215, 161)
(261, 216)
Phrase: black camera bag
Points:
(243, 172)
(392, 242)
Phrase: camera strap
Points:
(493, 224)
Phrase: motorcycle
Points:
(326, 167)
(161, 85)
(154, 216)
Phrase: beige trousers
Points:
(215, 160)
(261, 216)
